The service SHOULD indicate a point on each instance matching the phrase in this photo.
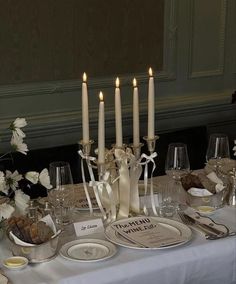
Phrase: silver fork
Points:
(188, 222)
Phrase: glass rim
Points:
(177, 144)
(220, 135)
(59, 164)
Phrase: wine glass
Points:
(177, 161)
(218, 149)
(61, 196)
(176, 165)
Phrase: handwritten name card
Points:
(88, 227)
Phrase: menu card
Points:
(81, 201)
(147, 232)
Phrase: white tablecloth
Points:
(197, 262)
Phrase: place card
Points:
(147, 233)
(89, 227)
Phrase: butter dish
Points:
(15, 262)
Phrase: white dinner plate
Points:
(88, 250)
(174, 226)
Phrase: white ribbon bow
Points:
(148, 159)
(122, 158)
(107, 198)
(135, 173)
(88, 160)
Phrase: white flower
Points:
(234, 149)
(18, 145)
(32, 177)
(12, 179)
(44, 179)
(17, 132)
(19, 123)
(3, 186)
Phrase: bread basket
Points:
(200, 180)
(212, 202)
(36, 253)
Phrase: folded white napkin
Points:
(21, 201)
(6, 211)
(199, 192)
(213, 177)
(219, 183)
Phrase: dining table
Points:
(198, 261)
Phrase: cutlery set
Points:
(206, 225)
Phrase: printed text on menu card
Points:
(148, 233)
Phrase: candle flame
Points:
(134, 83)
(150, 72)
(84, 77)
(101, 96)
(117, 82)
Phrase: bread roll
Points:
(28, 231)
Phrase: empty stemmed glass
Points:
(177, 165)
(61, 196)
(218, 149)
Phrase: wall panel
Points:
(192, 88)
(207, 38)
(58, 40)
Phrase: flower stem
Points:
(5, 155)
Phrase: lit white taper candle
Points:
(136, 140)
(151, 106)
(119, 138)
(101, 130)
(85, 114)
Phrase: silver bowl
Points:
(36, 253)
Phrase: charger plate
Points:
(174, 226)
(88, 250)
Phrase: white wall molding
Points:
(47, 125)
(170, 40)
(168, 72)
(47, 88)
(69, 131)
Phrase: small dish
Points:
(205, 210)
(15, 262)
(88, 250)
